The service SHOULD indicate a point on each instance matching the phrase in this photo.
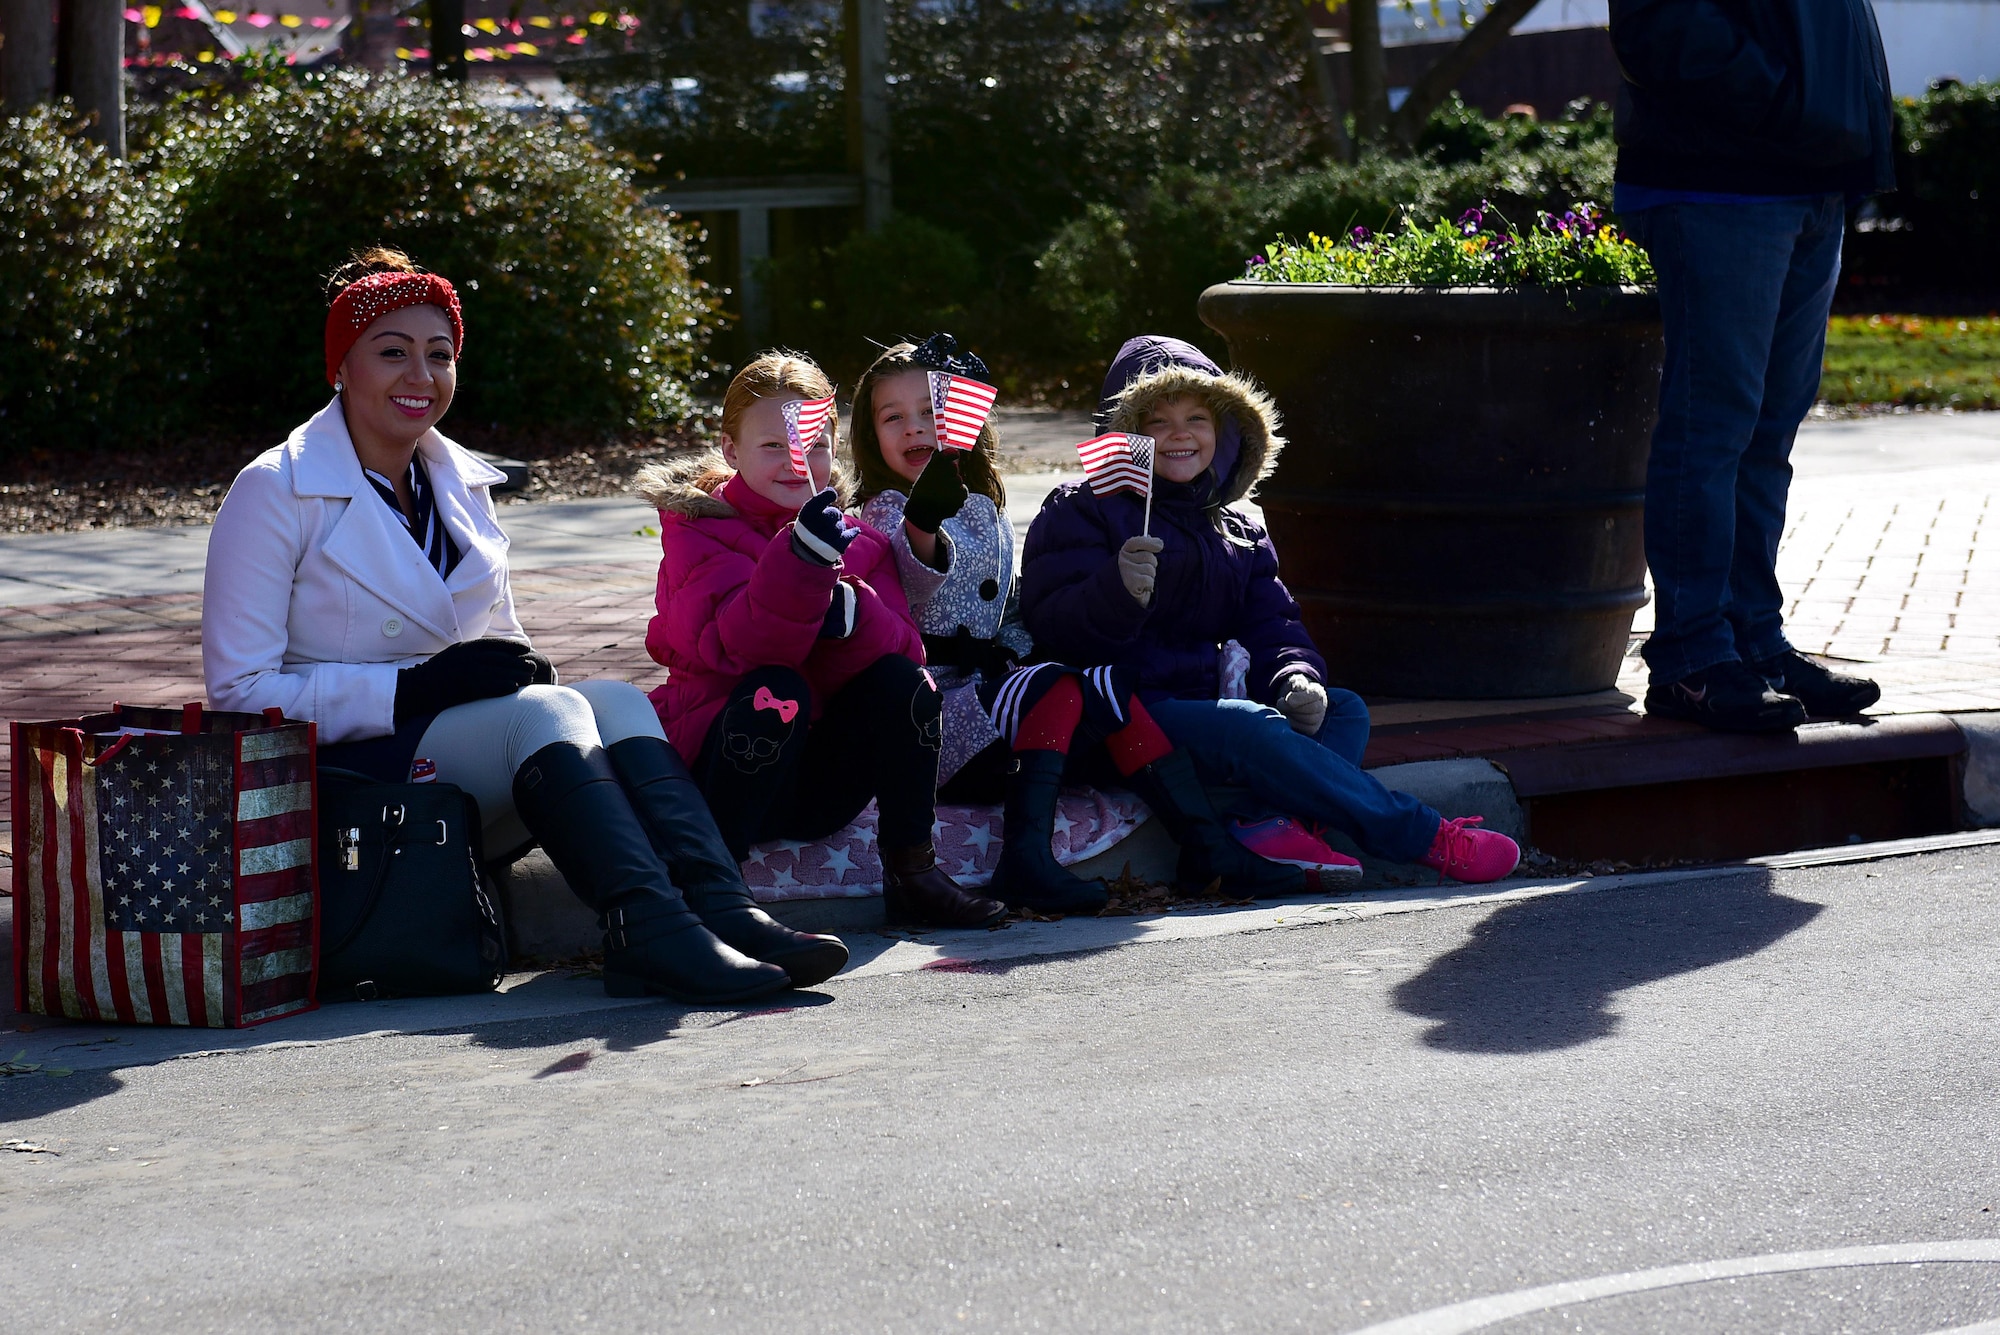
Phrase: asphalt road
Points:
(1323, 1127)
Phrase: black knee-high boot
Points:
(570, 798)
(684, 834)
(1171, 788)
(1029, 877)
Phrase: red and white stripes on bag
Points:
(164, 868)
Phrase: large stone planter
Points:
(1459, 510)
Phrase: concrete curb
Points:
(546, 921)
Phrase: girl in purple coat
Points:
(1095, 592)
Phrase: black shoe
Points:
(916, 892)
(1728, 697)
(677, 819)
(1824, 693)
(570, 798)
(1029, 877)
(1208, 854)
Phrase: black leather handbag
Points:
(405, 907)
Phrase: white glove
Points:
(1139, 566)
(1303, 701)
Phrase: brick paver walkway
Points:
(1887, 573)
(70, 658)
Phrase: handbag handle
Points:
(390, 847)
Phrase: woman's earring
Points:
(339, 388)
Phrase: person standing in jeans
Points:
(1745, 127)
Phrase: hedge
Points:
(185, 290)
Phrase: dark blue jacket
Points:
(1218, 576)
(1755, 97)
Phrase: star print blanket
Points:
(847, 865)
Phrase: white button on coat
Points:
(314, 594)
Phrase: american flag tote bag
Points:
(164, 868)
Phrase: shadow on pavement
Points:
(1541, 974)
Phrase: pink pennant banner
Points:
(1118, 462)
(959, 408)
(805, 423)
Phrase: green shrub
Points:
(579, 305)
(908, 279)
(1115, 272)
(185, 290)
(1949, 178)
(73, 261)
(1008, 117)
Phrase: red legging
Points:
(1051, 724)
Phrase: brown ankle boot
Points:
(917, 893)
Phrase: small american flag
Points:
(1118, 462)
(170, 880)
(805, 422)
(960, 406)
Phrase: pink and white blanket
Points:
(847, 865)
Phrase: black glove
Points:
(545, 671)
(821, 533)
(937, 495)
(996, 660)
(843, 611)
(471, 670)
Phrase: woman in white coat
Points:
(357, 577)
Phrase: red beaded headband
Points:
(368, 299)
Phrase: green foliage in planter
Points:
(1577, 249)
(1115, 270)
(73, 261)
(185, 290)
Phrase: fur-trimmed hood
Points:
(688, 485)
(1248, 439)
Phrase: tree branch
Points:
(1435, 82)
(1367, 71)
(1323, 81)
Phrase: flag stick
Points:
(1146, 528)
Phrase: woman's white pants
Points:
(480, 746)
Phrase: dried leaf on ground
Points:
(19, 1065)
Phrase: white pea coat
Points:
(314, 595)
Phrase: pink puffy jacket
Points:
(734, 596)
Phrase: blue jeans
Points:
(1247, 745)
(1744, 293)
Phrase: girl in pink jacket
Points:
(794, 670)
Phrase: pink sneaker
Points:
(1474, 856)
(1284, 840)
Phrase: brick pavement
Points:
(1878, 574)
(70, 658)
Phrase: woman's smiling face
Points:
(904, 425)
(762, 452)
(1183, 431)
(399, 376)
